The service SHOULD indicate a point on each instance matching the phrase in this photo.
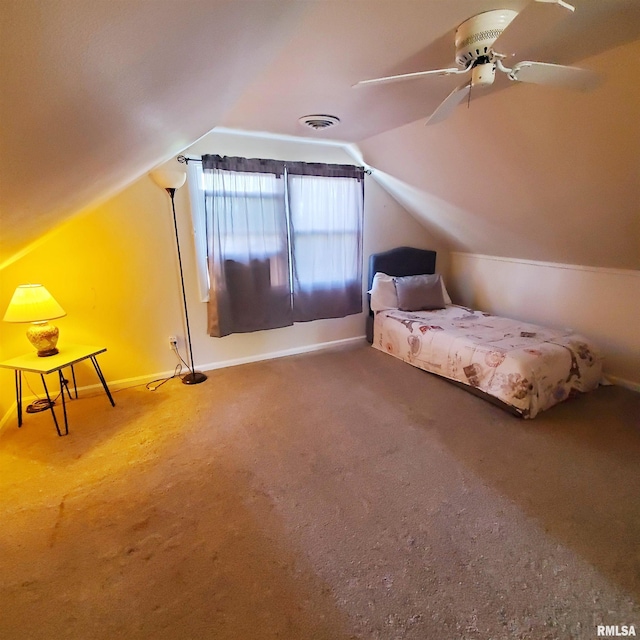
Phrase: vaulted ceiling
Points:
(94, 94)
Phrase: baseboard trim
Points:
(126, 383)
(272, 355)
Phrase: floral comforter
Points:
(526, 366)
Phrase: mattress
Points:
(528, 367)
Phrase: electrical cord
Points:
(182, 360)
(40, 404)
(176, 372)
(161, 381)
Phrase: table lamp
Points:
(33, 303)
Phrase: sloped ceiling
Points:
(94, 94)
(530, 173)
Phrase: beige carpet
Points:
(334, 495)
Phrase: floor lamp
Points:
(170, 181)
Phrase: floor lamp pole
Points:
(193, 377)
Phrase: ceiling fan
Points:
(485, 43)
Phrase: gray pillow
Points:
(420, 293)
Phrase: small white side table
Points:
(69, 356)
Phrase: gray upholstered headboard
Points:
(401, 261)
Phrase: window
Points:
(325, 213)
(284, 241)
(325, 219)
(249, 209)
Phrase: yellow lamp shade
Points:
(33, 303)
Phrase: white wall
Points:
(602, 304)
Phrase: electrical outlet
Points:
(173, 342)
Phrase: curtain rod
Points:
(186, 160)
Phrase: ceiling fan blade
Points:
(555, 75)
(448, 105)
(411, 76)
(530, 25)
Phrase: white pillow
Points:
(383, 292)
(384, 295)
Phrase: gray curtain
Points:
(326, 203)
(248, 249)
(284, 242)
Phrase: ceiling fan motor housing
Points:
(475, 36)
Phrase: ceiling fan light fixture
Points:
(483, 75)
(319, 121)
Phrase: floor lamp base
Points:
(194, 378)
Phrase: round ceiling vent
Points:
(319, 121)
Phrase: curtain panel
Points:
(247, 235)
(284, 242)
(326, 238)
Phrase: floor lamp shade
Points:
(168, 179)
(33, 303)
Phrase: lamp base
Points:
(44, 337)
(194, 378)
(47, 352)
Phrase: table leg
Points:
(104, 382)
(18, 375)
(63, 384)
(53, 413)
(66, 385)
(75, 386)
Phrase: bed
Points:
(522, 367)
